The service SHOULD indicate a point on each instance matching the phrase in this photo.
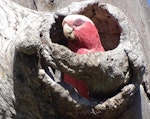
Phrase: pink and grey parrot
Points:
(83, 38)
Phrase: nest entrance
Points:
(116, 33)
(108, 26)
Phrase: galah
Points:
(83, 38)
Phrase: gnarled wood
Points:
(28, 86)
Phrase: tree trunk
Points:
(30, 86)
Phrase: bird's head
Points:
(80, 32)
(74, 23)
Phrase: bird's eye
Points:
(78, 22)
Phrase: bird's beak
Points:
(68, 31)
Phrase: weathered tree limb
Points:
(60, 57)
(18, 100)
(104, 62)
(25, 56)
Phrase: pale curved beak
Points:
(68, 31)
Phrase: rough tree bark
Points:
(29, 87)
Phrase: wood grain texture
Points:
(22, 95)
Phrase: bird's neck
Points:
(87, 38)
